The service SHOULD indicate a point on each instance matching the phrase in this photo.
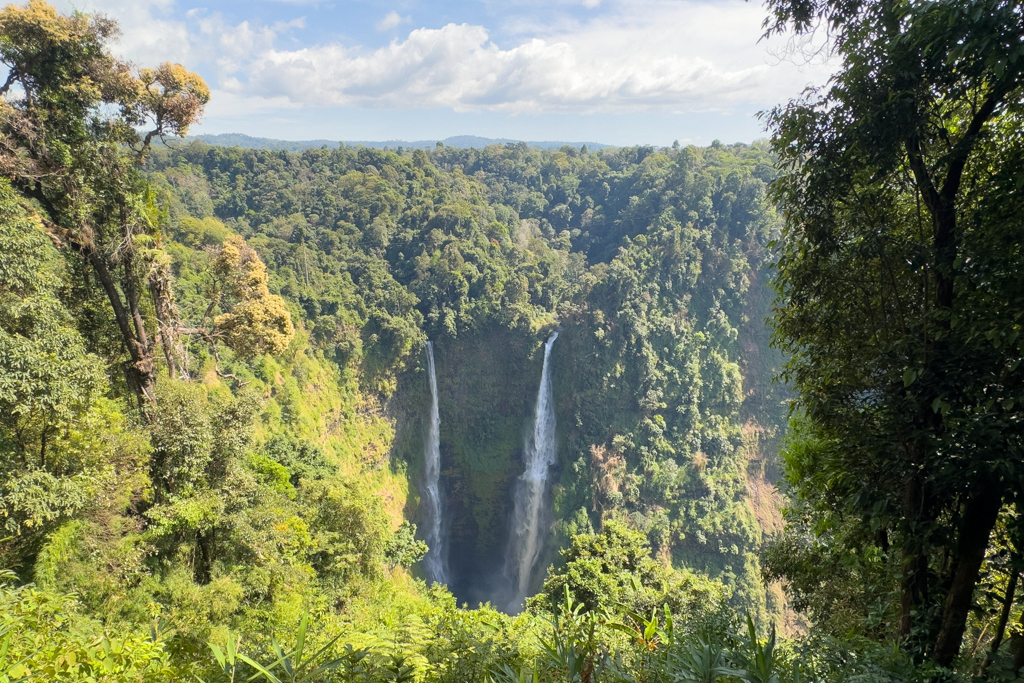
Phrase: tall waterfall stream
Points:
(526, 535)
(435, 560)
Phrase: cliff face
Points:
(486, 386)
(675, 432)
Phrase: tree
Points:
(900, 296)
(64, 446)
(68, 141)
(48, 378)
(403, 549)
(258, 322)
(48, 383)
(613, 570)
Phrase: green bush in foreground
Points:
(44, 637)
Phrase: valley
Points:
(479, 410)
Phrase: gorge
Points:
(663, 397)
(508, 582)
(438, 415)
(424, 378)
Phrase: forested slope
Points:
(652, 262)
(212, 387)
(275, 467)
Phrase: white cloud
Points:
(632, 55)
(227, 103)
(147, 28)
(229, 47)
(685, 56)
(392, 20)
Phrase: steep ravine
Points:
(486, 383)
(695, 505)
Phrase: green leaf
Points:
(218, 655)
(261, 670)
(300, 643)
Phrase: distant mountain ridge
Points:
(464, 141)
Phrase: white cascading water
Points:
(434, 561)
(526, 536)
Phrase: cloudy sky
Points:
(612, 71)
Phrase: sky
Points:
(610, 71)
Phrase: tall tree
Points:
(901, 296)
(69, 142)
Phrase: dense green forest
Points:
(214, 395)
(660, 293)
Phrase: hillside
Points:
(651, 262)
(273, 457)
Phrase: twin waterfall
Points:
(528, 523)
(435, 560)
(526, 535)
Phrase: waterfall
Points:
(435, 560)
(526, 536)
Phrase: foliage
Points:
(258, 323)
(212, 380)
(46, 638)
(403, 549)
(613, 572)
(48, 377)
(899, 303)
(295, 666)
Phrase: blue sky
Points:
(637, 72)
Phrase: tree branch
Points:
(922, 176)
(11, 78)
(962, 150)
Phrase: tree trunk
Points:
(204, 557)
(1004, 616)
(159, 283)
(141, 375)
(979, 518)
(915, 559)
